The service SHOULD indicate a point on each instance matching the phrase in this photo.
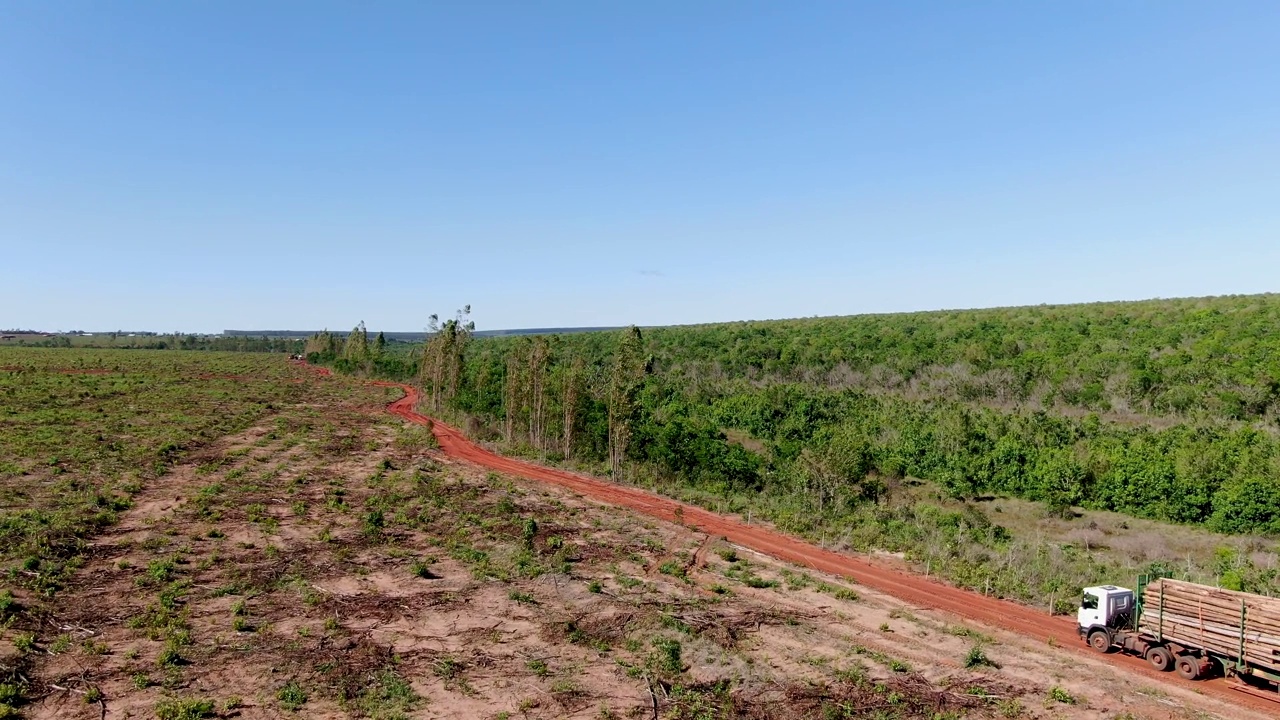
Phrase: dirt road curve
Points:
(911, 588)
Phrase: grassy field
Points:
(202, 535)
(82, 431)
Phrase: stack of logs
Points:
(1199, 616)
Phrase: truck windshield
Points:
(1089, 602)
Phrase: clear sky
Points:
(200, 166)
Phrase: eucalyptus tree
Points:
(442, 356)
(629, 368)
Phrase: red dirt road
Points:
(908, 587)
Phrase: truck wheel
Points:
(1099, 640)
(1188, 667)
(1160, 658)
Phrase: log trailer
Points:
(1195, 630)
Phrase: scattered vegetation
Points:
(295, 500)
(1164, 410)
(185, 709)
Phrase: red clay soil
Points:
(911, 588)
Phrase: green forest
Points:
(1163, 409)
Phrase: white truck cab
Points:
(1105, 606)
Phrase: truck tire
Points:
(1100, 640)
(1188, 667)
(1160, 658)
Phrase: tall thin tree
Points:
(539, 351)
(628, 373)
(569, 402)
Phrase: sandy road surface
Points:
(908, 587)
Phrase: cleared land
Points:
(318, 557)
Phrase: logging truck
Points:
(1195, 630)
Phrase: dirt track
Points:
(911, 588)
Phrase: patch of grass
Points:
(170, 657)
(666, 659)
(627, 582)
(422, 569)
(10, 697)
(1060, 695)
(523, 598)
(374, 523)
(8, 605)
(1010, 708)
(447, 667)
(977, 658)
(968, 632)
(185, 709)
(674, 569)
(291, 696)
(566, 687)
(892, 663)
(389, 696)
(89, 647)
(729, 555)
(25, 642)
(161, 571)
(843, 593)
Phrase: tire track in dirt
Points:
(905, 586)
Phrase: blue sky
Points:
(201, 166)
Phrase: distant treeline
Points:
(174, 341)
(1162, 409)
(417, 337)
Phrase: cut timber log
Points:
(1234, 624)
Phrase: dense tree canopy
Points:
(1159, 409)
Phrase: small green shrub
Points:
(667, 657)
(523, 598)
(447, 667)
(1057, 694)
(25, 642)
(846, 594)
(673, 568)
(977, 658)
(291, 696)
(170, 657)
